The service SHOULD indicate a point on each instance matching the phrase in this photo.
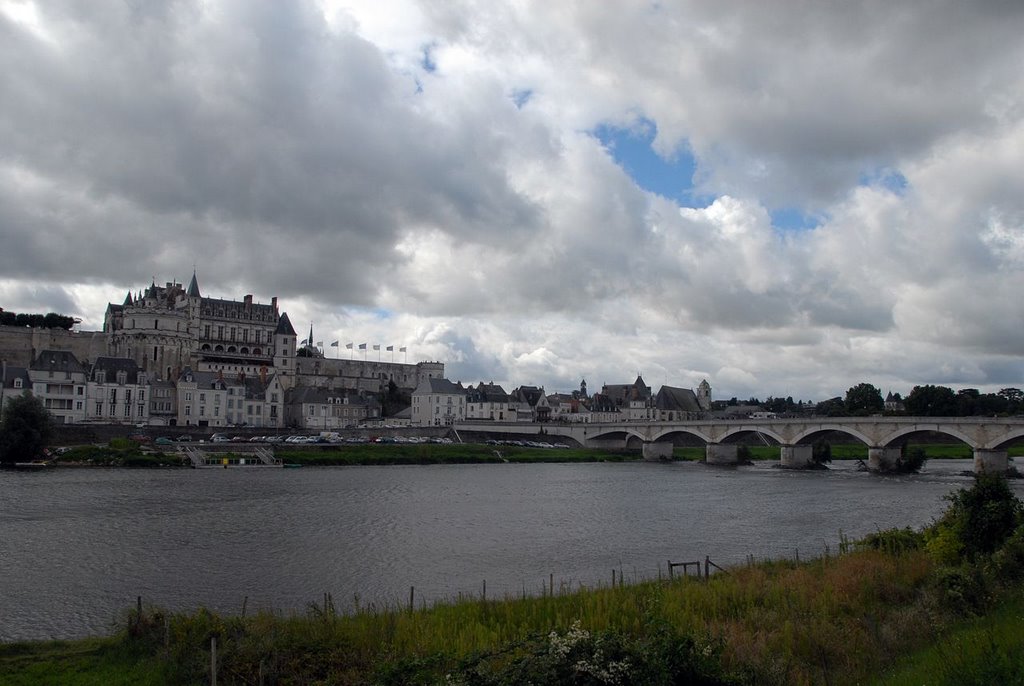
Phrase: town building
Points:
(59, 382)
(438, 402)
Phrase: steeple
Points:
(128, 300)
(193, 286)
(309, 341)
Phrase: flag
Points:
(319, 344)
(390, 348)
(362, 346)
(348, 346)
(334, 344)
(376, 346)
(304, 341)
(402, 349)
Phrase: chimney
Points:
(273, 303)
(248, 300)
(263, 375)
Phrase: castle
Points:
(174, 335)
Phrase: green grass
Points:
(986, 650)
(89, 662)
(839, 618)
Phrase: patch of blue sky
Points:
(631, 149)
(427, 60)
(794, 219)
(521, 96)
(885, 177)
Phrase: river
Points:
(78, 545)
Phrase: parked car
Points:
(219, 438)
(163, 440)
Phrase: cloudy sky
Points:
(785, 198)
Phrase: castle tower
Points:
(285, 341)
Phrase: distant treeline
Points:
(51, 320)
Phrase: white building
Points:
(438, 402)
(59, 381)
(489, 401)
(323, 409)
(117, 392)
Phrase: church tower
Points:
(704, 395)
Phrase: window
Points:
(18, 383)
(206, 331)
(99, 408)
(142, 396)
(154, 353)
(113, 395)
(142, 410)
(79, 391)
(188, 410)
(188, 396)
(202, 397)
(156, 323)
(128, 396)
(127, 411)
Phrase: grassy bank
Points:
(839, 620)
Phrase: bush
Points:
(893, 541)
(911, 461)
(1008, 561)
(982, 517)
(821, 452)
(960, 589)
(578, 656)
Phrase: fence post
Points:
(707, 567)
(213, 661)
(412, 596)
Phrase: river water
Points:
(78, 545)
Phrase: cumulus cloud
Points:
(426, 173)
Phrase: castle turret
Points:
(285, 340)
(704, 395)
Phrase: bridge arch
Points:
(894, 438)
(808, 435)
(1006, 440)
(668, 434)
(751, 429)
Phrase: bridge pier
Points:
(991, 461)
(883, 459)
(657, 452)
(796, 456)
(721, 453)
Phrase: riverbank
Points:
(863, 617)
(134, 456)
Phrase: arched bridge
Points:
(884, 436)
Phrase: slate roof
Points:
(113, 365)
(674, 399)
(527, 394)
(193, 286)
(623, 393)
(486, 393)
(284, 326)
(439, 387)
(11, 373)
(58, 361)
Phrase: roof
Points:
(284, 326)
(11, 373)
(439, 387)
(621, 393)
(58, 361)
(674, 399)
(193, 286)
(489, 393)
(113, 365)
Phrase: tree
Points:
(833, 407)
(864, 399)
(931, 401)
(25, 429)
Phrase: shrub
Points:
(821, 452)
(580, 657)
(1008, 561)
(893, 541)
(911, 461)
(982, 517)
(960, 589)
